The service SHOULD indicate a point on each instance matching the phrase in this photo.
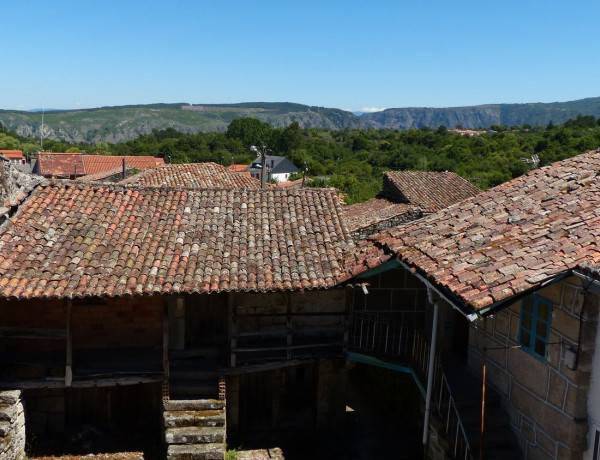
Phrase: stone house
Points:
(406, 196)
(513, 297)
(122, 305)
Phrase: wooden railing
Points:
(377, 334)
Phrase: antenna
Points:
(42, 133)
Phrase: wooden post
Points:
(232, 330)
(289, 326)
(349, 304)
(483, 391)
(166, 340)
(69, 365)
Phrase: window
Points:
(534, 327)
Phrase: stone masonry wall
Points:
(363, 233)
(12, 426)
(547, 400)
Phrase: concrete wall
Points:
(546, 400)
(12, 426)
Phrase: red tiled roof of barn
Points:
(76, 239)
(430, 191)
(204, 175)
(509, 238)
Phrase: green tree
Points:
(249, 131)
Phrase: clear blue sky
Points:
(346, 54)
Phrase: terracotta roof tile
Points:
(13, 154)
(76, 239)
(205, 175)
(509, 238)
(54, 164)
(430, 191)
(61, 164)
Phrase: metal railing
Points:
(377, 334)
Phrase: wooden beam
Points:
(290, 325)
(232, 327)
(32, 333)
(292, 347)
(166, 340)
(69, 366)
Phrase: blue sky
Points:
(346, 54)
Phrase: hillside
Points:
(535, 114)
(119, 124)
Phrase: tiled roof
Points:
(238, 167)
(95, 164)
(76, 239)
(430, 191)
(373, 211)
(61, 164)
(205, 175)
(13, 154)
(364, 257)
(290, 183)
(77, 164)
(114, 175)
(509, 238)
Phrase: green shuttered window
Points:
(534, 327)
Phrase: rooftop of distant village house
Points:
(56, 164)
(205, 175)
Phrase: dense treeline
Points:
(353, 160)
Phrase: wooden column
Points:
(166, 340)
(289, 326)
(69, 366)
(232, 327)
(349, 297)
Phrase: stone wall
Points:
(12, 426)
(547, 400)
(363, 233)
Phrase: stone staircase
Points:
(195, 429)
(194, 417)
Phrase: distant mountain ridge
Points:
(122, 123)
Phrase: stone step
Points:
(194, 435)
(211, 451)
(194, 418)
(193, 405)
